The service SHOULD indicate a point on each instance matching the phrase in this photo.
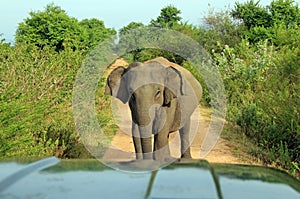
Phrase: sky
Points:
(115, 13)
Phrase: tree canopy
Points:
(263, 22)
(96, 31)
(169, 16)
(53, 27)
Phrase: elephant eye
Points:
(131, 91)
(132, 97)
(157, 93)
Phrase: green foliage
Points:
(36, 103)
(284, 12)
(286, 37)
(135, 34)
(219, 29)
(96, 30)
(35, 88)
(262, 86)
(282, 105)
(129, 36)
(252, 14)
(131, 26)
(261, 22)
(244, 68)
(169, 16)
(53, 27)
(16, 118)
(187, 29)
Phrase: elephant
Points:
(162, 97)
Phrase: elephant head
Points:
(145, 85)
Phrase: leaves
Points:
(262, 22)
(96, 30)
(53, 27)
(168, 18)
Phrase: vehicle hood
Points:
(54, 178)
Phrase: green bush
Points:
(35, 96)
(262, 85)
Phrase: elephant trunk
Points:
(145, 119)
(146, 141)
(145, 113)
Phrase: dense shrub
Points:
(35, 94)
(262, 86)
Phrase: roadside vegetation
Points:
(256, 49)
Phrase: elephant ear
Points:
(115, 85)
(174, 85)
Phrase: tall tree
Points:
(169, 16)
(51, 27)
(252, 14)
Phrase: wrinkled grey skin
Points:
(161, 101)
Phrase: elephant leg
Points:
(137, 141)
(185, 140)
(161, 146)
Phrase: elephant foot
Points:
(139, 156)
(148, 156)
(187, 154)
